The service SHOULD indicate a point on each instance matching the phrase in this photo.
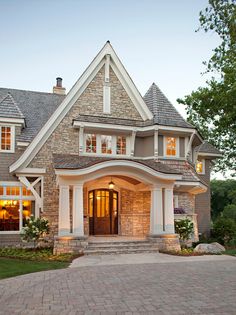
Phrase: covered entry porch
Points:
(139, 203)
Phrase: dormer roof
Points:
(164, 112)
(9, 107)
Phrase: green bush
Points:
(224, 230)
(230, 212)
(184, 228)
(35, 230)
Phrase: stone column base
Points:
(166, 242)
(69, 244)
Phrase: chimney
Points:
(58, 89)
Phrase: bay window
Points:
(106, 144)
(121, 145)
(91, 143)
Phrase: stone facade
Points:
(134, 213)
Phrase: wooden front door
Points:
(103, 212)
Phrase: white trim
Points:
(71, 98)
(209, 154)
(12, 150)
(20, 121)
(119, 164)
(22, 144)
(32, 171)
(106, 99)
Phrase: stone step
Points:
(108, 243)
(114, 245)
(108, 251)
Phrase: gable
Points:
(91, 101)
(74, 95)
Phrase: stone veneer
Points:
(134, 213)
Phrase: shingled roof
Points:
(35, 107)
(9, 108)
(206, 147)
(164, 112)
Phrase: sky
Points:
(155, 40)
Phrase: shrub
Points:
(184, 228)
(229, 212)
(35, 230)
(224, 229)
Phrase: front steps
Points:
(120, 247)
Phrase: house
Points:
(101, 160)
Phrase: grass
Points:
(231, 252)
(10, 267)
(19, 261)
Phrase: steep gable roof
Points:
(9, 108)
(164, 112)
(35, 107)
(73, 95)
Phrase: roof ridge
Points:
(50, 93)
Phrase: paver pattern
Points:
(194, 287)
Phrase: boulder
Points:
(213, 248)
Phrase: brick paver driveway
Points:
(167, 288)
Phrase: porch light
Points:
(111, 185)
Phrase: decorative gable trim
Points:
(74, 94)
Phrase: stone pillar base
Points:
(165, 242)
(69, 244)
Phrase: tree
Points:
(223, 194)
(212, 109)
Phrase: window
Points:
(106, 144)
(200, 166)
(171, 149)
(91, 143)
(121, 145)
(12, 199)
(6, 139)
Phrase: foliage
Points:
(224, 230)
(231, 252)
(223, 194)
(35, 229)
(184, 228)
(16, 267)
(38, 254)
(212, 109)
(230, 212)
(184, 252)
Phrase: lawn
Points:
(19, 261)
(10, 267)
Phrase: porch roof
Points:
(68, 161)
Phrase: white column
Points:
(78, 210)
(169, 211)
(156, 219)
(64, 211)
(21, 214)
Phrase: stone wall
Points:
(134, 218)
(186, 201)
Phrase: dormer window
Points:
(200, 166)
(7, 139)
(171, 147)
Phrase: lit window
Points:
(6, 142)
(1, 190)
(13, 191)
(26, 192)
(91, 143)
(200, 166)
(121, 145)
(106, 144)
(170, 146)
